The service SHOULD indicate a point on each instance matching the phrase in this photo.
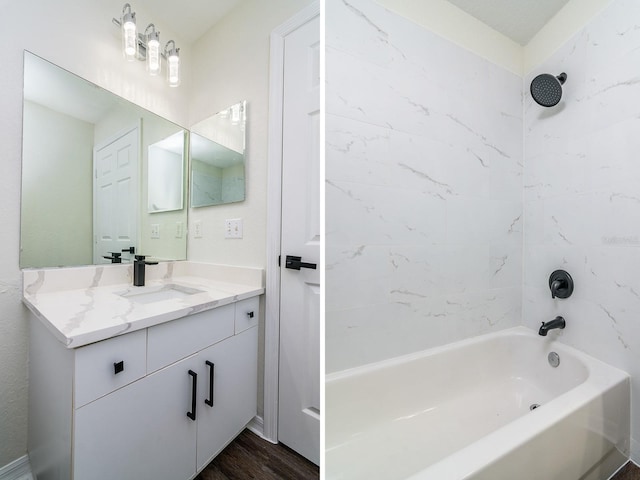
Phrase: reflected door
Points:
(299, 369)
(115, 195)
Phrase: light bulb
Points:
(129, 36)
(173, 64)
(153, 56)
(235, 115)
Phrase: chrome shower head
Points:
(546, 89)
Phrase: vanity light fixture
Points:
(173, 63)
(129, 33)
(235, 115)
(146, 47)
(153, 50)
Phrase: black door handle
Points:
(194, 392)
(296, 264)
(209, 401)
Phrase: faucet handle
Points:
(560, 284)
(141, 258)
(130, 250)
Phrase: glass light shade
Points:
(129, 37)
(173, 69)
(153, 57)
(235, 115)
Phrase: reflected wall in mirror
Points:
(165, 182)
(217, 151)
(85, 174)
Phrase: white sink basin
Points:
(159, 293)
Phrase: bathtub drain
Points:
(533, 406)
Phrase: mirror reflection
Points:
(217, 150)
(86, 170)
(165, 178)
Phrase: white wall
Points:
(454, 24)
(457, 26)
(424, 185)
(582, 202)
(80, 37)
(559, 29)
(233, 65)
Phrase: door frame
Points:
(138, 169)
(274, 217)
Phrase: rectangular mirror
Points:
(217, 151)
(165, 179)
(86, 172)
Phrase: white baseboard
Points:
(256, 425)
(17, 470)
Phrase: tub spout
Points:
(557, 322)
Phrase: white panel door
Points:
(299, 368)
(115, 196)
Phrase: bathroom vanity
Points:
(139, 382)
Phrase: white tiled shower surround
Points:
(582, 194)
(424, 189)
(426, 183)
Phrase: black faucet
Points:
(138, 270)
(557, 322)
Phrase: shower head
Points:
(546, 89)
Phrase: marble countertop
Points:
(87, 304)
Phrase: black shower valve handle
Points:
(560, 284)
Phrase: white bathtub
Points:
(462, 411)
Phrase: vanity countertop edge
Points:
(85, 314)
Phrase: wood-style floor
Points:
(629, 472)
(249, 457)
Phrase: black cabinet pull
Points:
(250, 314)
(118, 367)
(211, 366)
(194, 392)
(295, 263)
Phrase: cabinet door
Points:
(140, 431)
(234, 364)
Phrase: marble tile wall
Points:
(424, 209)
(582, 194)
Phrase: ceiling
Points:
(519, 20)
(190, 19)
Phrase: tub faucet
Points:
(557, 322)
(138, 270)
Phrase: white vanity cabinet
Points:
(183, 391)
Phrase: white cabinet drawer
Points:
(247, 312)
(180, 338)
(103, 367)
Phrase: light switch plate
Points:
(155, 230)
(233, 228)
(179, 229)
(197, 229)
